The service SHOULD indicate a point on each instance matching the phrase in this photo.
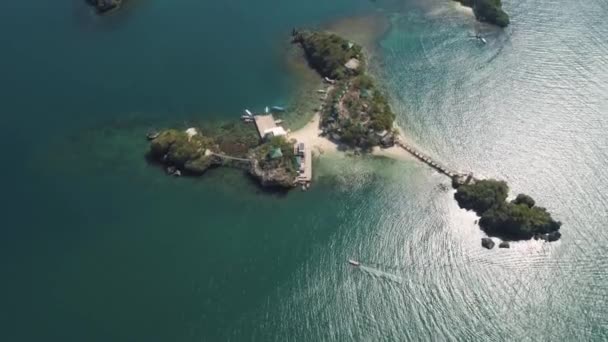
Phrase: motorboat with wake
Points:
(354, 263)
(481, 39)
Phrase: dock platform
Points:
(263, 123)
(306, 176)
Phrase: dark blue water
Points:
(96, 245)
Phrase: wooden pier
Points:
(456, 177)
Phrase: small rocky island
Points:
(519, 219)
(356, 113)
(272, 162)
(105, 6)
(488, 11)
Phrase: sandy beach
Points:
(310, 135)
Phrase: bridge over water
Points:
(455, 176)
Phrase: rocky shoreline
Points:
(519, 219)
(105, 6)
(488, 11)
(191, 153)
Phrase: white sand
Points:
(462, 9)
(310, 135)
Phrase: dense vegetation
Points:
(328, 53)
(178, 149)
(488, 11)
(273, 163)
(356, 112)
(516, 220)
(287, 161)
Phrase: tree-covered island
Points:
(356, 113)
(105, 6)
(519, 219)
(271, 162)
(489, 11)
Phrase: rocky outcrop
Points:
(184, 151)
(488, 11)
(550, 237)
(104, 6)
(271, 177)
(487, 243)
(504, 244)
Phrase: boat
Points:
(321, 91)
(277, 109)
(152, 135)
(266, 110)
(480, 38)
(248, 112)
(354, 262)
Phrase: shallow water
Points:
(99, 246)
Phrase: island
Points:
(105, 6)
(519, 219)
(489, 11)
(356, 113)
(273, 162)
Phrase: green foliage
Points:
(381, 114)
(363, 111)
(519, 219)
(482, 196)
(363, 82)
(176, 148)
(287, 161)
(524, 199)
(488, 11)
(327, 53)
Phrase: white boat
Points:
(248, 112)
(354, 262)
(480, 38)
(267, 110)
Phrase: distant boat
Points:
(480, 38)
(277, 109)
(354, 263)
(248, 112)
(152, 135)
(267, 110)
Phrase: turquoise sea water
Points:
(96, 245)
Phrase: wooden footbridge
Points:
(232, 161)
(457, 177)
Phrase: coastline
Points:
(310, 135)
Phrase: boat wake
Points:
(377, 273)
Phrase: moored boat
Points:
(354, 262)
(151, 135)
